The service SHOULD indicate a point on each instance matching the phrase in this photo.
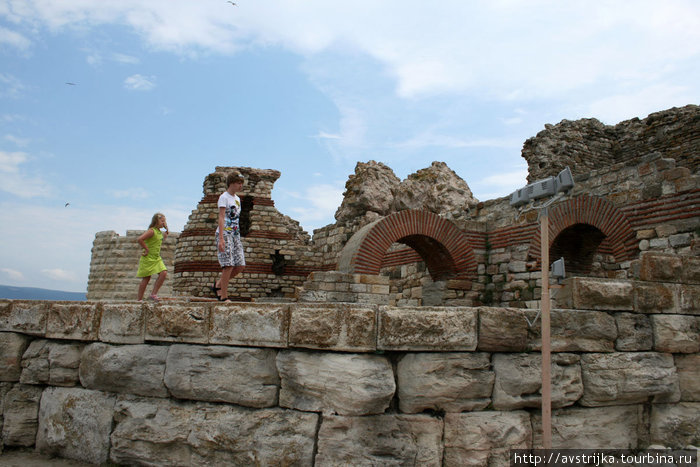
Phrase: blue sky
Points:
(166, 90)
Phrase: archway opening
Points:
(580, 246)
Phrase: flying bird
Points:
(71, 84)
(66, 205)
(231, 3)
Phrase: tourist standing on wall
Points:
(150, 262)
(228, 235)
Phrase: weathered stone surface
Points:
(368, 190)
(601, 294)
(627, 378)
(691, 270)
(250, 324)
(27, 317)
(653, 297)
(485, 438)
(676, 333)
(75, 423)
(659, 267)
(178, 323)
(129, 369)
(634, 332)
(576, 331)
(236, 375)
(74, 321)
(349, 328)
(386, 440)
(689, 300)
(20, 415)
(12, 347)
(4, 389)
(162, 432)
(591, 428)
(427, 328)
(122, 323)
(675, 426)
(451, 382)
(52, 363)
(436, 188)
(518, 381)
(688, 368)
(345, 384)
(494, 323)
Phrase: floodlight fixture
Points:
(558, 270)
(549, 186)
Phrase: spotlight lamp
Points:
(558, 270)
(560, 183)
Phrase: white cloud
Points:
(62, 275)
(14, 181)
(10, 86)
(140, 83)
(13, 39)
(11, 274)
(315, 204)
(500, 184)
(17, 141)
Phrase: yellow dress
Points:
(152, 263)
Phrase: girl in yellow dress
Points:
(150, 262)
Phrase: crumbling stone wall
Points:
(114, 263)
(317, 384)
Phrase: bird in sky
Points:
(70, 84)
(67, 204)
(231, 3)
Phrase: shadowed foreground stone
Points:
(386, 440)
(52, 363)
(237, 375)
(345, 384)
(20, 413)
(676, 425)
(163, 432)
(75, 423)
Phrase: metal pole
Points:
(546, 334)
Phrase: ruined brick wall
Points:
(114, 263)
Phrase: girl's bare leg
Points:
(142, 286)
(159, 282)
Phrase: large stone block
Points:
(451, 382)
(658, 267)
(688, 367)
(75, 321)
(52, 363)
(163, 432)
(12, 347)
(236, 375)
(129, 369)
(427, 328)
(627, 378)
(20, 415)
(656, 297)
(380, 440)
(345, 384)
(675, 426)
(495, 323)
(485, 438)
(27, 317)
(75, 423)
(691, 270)
(518, 381)
(689, 300)
(585, 293)
(178, 323)
(340, 327)
(634, 332)
(255, 325)
(122, 323)
(575, 331)
(676, 333)
(591, 428)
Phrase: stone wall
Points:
(201, 383)
(115, 260)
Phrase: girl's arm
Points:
(165, 235)
(222, 216)
(146, 235)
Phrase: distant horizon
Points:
(4, 289)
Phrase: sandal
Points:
(214, 288)
(155, 298)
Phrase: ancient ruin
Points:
(400, 334)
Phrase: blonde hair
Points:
(155, 218)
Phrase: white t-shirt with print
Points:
(232, 216)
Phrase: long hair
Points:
(154, 219)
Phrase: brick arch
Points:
(440, 243)
(620, 239)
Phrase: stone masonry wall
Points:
(114, 263)
(201, 383)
